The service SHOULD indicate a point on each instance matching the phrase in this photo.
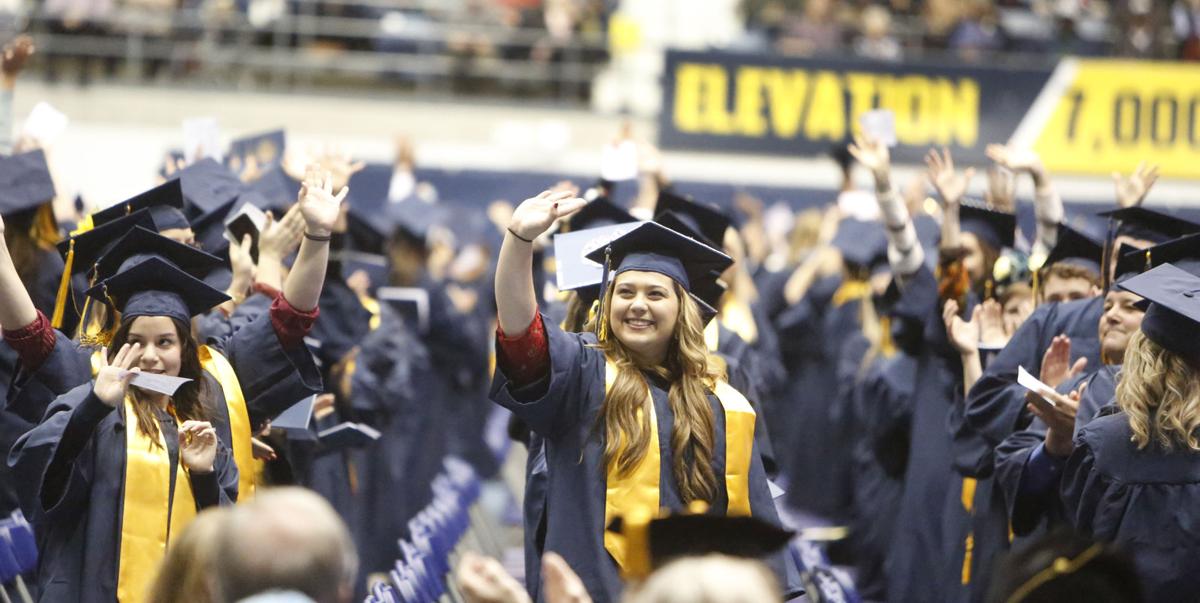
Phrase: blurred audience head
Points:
(709, 579)
(286, 539)
(186, 573)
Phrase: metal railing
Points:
(378, 45)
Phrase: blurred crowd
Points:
(975, 30)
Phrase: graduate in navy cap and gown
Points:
(1027, 474)
(657, 438)
(1132, 477)
(260, 370)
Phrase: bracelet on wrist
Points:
(319, 238)
(514, 233)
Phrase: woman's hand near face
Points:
(112, 380)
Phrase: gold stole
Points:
(635, 496)
(850, 291)
(968, 503)
(148, 518)
(737, 317)
(239, 420)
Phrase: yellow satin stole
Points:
(148, 518)
(737, 317)
(636, 494)
(850, 291)
(239, 420)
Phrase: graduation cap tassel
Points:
(64, 288)
(1105, 261)
(602, 322)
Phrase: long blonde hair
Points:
(1160, 393)
(691, 369)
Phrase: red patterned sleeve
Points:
(34, 342)
(525, 357)
(290, 324)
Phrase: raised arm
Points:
(516, 300)
(12, 61)
(904, 251)
(1047, 205)
(320, 208)
(16, 307)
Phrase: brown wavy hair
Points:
(189, 399)
(692, 371)
(1160, 394)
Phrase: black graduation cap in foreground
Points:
(1183, 252)
(82, 250)
(25, 182)
(1148, 225)
(1173, 318)
(654, 544)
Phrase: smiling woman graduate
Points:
(636, 418)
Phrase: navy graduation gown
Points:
(1027, 511)
(397, 390)
(563, 409)
(995, 406)
(78, 499)
(1147, 501)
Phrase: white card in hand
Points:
(163, 384)
(1033, 384)
(45, 123)
(880, 125)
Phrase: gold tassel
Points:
(64, 288)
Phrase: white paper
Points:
(201, 139)
(163, 384)
(880, 125)
(1033, 384)
(45, 123)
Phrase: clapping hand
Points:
(113, 378)
(963, 334)
(1058, 413)
(1056, 362)
(197, 446)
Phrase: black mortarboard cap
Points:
(150, 285)
(996, 228)
(1075, 248)
(208, 188)
(677, 536)
(141, 241)
(599, 212)
(166, 199)
(1173, 318)
(1149, 225)
(1183, 253)
(25, 182)
(709, 221)
(653, 247)
(1131, 261)
(863, 243)
(88, 246)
